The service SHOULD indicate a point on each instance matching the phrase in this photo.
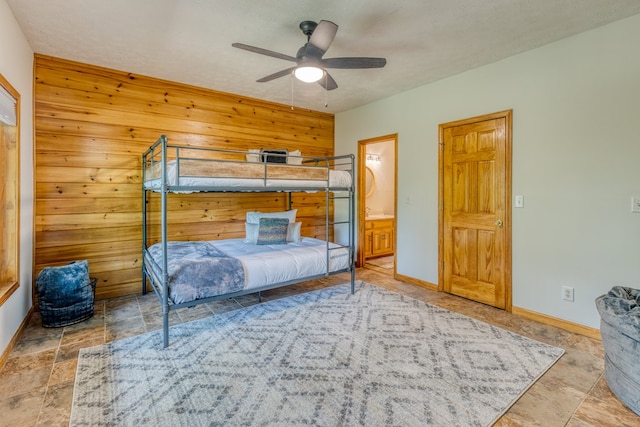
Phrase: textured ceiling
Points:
(189, 41)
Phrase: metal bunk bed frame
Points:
(161, 289)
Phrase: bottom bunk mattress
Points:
(206, 269)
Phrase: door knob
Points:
(499, 223)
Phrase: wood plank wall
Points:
(91, 127)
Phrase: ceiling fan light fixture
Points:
(309, 74)
(310, 64)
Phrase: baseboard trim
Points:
(422, 283)
(559, 323)
(14, 340)
(523, 312)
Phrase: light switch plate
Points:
(635, 204)
(519, 201)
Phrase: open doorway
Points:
(377, 203)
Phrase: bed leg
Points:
(259, 297)
(353, 281)
(165, 327)
(144, 283)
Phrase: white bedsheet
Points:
(337, 179)
(268, 264)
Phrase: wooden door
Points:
(475, 217)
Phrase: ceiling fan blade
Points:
(323, 36)
(274, 76)
(262, 51)
(327, 82)
(354, 62)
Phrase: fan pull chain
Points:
(326, 91)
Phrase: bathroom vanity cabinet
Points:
(379, 237)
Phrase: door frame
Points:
(361, 191)
(508, 116)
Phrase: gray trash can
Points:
(620, 329)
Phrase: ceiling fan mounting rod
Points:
(307, 28)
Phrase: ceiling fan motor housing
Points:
(307, 28)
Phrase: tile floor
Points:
(36, 384)
(382, 264)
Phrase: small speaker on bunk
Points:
(274, 156)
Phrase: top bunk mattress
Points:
(204, 174)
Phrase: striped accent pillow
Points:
(272, 231)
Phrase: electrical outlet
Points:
(567, 293)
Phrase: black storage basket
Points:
(66, 294)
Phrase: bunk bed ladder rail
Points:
(144, 220)
(352, 234)
(352, 219)
(148, 165)
(165, 268)
(148, 162)
(350, 223)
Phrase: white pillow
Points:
(254, 217)
(252, 231)
(294, 160)
(253, 156)
(293, 232)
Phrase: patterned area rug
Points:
(325, 358)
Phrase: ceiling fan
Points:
(310, 66)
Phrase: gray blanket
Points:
(198, 270)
